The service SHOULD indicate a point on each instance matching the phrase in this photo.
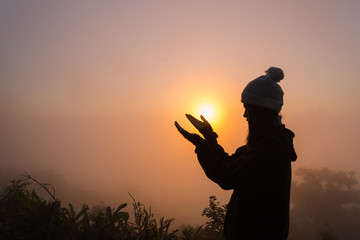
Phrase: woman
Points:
(259, 172)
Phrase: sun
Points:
(207, 110)
(210, 107)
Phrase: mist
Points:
(89, 94)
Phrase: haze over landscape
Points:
(89, 91)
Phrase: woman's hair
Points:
(261, 120)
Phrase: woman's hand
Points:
(204, 127)
(192, 137)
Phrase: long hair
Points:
(261, 120)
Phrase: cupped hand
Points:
(203, 127)
(197, 123)
(192, 137)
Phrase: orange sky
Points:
(94, 88)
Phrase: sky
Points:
(90, 90)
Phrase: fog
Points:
(89, 93)
(98, 160)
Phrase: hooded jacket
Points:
(261, 179)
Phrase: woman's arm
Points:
(233, 171)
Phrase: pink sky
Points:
(94, 88)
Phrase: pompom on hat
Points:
(265, 91)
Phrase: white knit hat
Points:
(265, 91)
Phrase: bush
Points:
(24, 215)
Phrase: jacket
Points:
(260, 178)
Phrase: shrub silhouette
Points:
(146, 226)
(24, 215)
(216, 217)
(325, 206)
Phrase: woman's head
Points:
(263, 100)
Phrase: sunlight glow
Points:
(208, 111)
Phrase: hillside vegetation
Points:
(325, 206)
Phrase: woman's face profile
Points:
(246, 114)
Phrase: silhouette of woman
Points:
(258, 172)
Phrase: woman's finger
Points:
(204, 120)
(181, 130)
(194, 121)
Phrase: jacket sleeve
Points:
(218, 150)
(232, 171)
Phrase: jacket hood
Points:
(288, 136)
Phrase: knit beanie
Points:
(265, 91)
